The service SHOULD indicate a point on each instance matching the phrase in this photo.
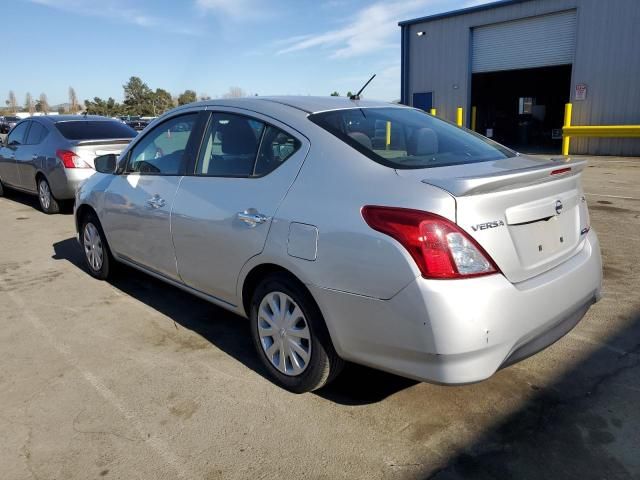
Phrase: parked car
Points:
(137, 125)
(50, 156)
(7, 123)
(439, 255)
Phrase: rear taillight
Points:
(70, 159)
(439, 247)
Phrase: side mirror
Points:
(106, 163)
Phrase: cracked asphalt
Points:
(135, 379)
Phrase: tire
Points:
(295, 347)
(97, 255)
(48, 203)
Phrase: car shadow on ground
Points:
(356, 385)
(585, 425)
(66, 207)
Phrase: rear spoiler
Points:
(106, 141)
(474, 185)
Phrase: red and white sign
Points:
(581, 91)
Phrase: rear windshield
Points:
(405, 138)
(94, 130)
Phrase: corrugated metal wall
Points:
(607, 60)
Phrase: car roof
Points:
(71, 118)
(307, 104)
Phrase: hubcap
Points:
(93, 246)
(45, 194)
(284, 333)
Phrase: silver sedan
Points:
(50, 156)
(350, 231)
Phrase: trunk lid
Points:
(88, 150)
(528, 214)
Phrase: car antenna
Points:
(357, 95)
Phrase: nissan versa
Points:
(350, 231)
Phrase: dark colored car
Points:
(7, 123)
(137, 124)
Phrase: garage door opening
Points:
(523, 109)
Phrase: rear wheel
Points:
(290, 335)
(48, 203)
(97, 255)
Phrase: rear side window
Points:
(94, 130)
(230, 146)
(239, 146)
(36, 134)
(406, 138)
(276, 147)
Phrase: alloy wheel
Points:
(44, 193)
(93, 246)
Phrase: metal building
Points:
(519, 61)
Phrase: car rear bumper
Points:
(463, 331)
(65, 182)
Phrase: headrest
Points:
(238, 138)
(362, 139)
(423, 142)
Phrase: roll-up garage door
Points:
(527, 43)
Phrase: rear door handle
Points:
(251, 217)
(156, 202)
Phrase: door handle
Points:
(156, 202)
(251, 217)
(34, 156)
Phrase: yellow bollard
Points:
(388, 134)
(567, 123)
(474, 112)
(433, 112)
(459, 117)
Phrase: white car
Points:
(351, 231)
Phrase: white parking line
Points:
(158, 445)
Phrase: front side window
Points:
(161, 150)
(17, 135)
(36, 134)
(230, 146)
(406, 138)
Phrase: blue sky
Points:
(263, 46)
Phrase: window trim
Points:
(123, 164)
(192, 167)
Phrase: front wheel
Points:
(48, 203)
(96, 251)
(291, 337)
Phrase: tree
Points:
(161, 101)
(73, 101)
(42, 105)
(11, 102)
(29, 106)
(335, 94)
(349, 94)
(188, 96)
(107, 108)
(138, 97)
(235, 92)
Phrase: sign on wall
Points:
(581, 91)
